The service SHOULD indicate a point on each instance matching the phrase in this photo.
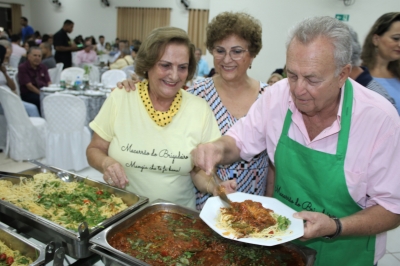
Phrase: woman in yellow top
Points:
(142, 140)
(125, 59)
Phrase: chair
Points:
(16, 81)
(111, 77)
(67, 137)
(70, 74)
(129, 70)
(25, 135)
(3, 132)
(53, 75)
(94, 73)
(14, 60)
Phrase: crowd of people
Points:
(323, 136)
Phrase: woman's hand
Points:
(114, 173)
(128, 84)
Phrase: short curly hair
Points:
(235, 23)
(152, 49)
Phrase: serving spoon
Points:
(221, 190)
(62, 175)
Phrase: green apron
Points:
(311, 180)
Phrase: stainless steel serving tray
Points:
(23, 245)
(114, 257)
(76, 244)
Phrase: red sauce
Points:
(165, 238)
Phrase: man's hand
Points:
(114, 173)
(316, 224)
(128, 84)
(229, 186)
(206, 156)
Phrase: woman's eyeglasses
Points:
(235, 54)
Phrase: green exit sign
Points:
(342, 17)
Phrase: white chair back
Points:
(53, 72)
(94, 73)
(26, 135)
(67, 136)
(110, 78)
(70, 74)
(129, 70)
(3, 132)
(14, 60)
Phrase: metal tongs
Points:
(221, 190)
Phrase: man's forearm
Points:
(32, 88)
(370, 221)
(230, 152)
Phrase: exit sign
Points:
(342, 17)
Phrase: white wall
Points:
(93, 18)
(278, 16)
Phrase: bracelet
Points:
(208, 184)
(338, 228)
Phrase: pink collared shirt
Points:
(372, 164)
(82, 57)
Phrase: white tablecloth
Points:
(93, 102)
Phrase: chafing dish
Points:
(76, 244)
(24, 246)
(114, 257)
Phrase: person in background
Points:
(121, 46)
(26, 30)
(94, 43)
(334, 143)
(32, 76)
(48, 38)
(101, 45)
(361, 74)
(27, 45)
(275, 77)
(63, 46)
(134, 52)
(202, 66)
(234, 39)
(125, 59)
(37, 37)
(137, 133)
(87, 55)
(116, 43)
(17, 50)
(135, 43)
(108, 46)
(47, 57)
(7, 82)
(381, 54)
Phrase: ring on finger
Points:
(110, 181)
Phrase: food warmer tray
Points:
(114, 257)
(75, 244)
(40, 255)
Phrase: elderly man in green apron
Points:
(335, 146)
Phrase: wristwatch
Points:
(338, 228)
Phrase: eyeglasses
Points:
(235, 54)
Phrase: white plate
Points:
(94, 93)
(212, 207)
(51, 89)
